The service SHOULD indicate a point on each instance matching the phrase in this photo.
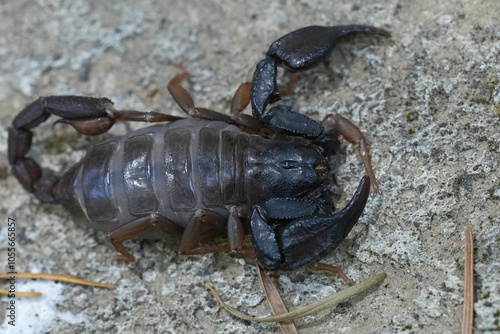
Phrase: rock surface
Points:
(427, 100)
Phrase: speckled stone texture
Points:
(427, 100)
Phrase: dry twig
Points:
(61, 278)
(313, 308)
(468, 311)
(275, 301)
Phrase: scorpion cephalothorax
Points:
(212, 172)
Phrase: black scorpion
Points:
(213, 173)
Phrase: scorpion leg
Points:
(201, 222)
(283, 248)
(241, 100)
(235, 229)
(335, 270)
(185, 101)
(204, 221)
(351, 133)
(137, 227)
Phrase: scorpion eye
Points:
(288, 164)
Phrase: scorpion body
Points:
(178, 168)
(265, 175)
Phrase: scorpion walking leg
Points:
(235, 230)
(352, 134)
(98, 125)
(185, 101)
(241, 100)
(137, 227)
(202, 222)
(335, 270)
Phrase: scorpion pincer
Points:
(212, 173)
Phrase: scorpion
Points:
(266, 175)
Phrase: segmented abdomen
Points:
(172, 169)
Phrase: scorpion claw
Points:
(319, 234)
(264, 87)
(304, 48)
(299, 50)
(264, 242)
(316, 234)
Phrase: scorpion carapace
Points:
(213, 172)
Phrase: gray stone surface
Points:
(427, 100)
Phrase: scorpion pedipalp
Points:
(296, 51)
(304, 239)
